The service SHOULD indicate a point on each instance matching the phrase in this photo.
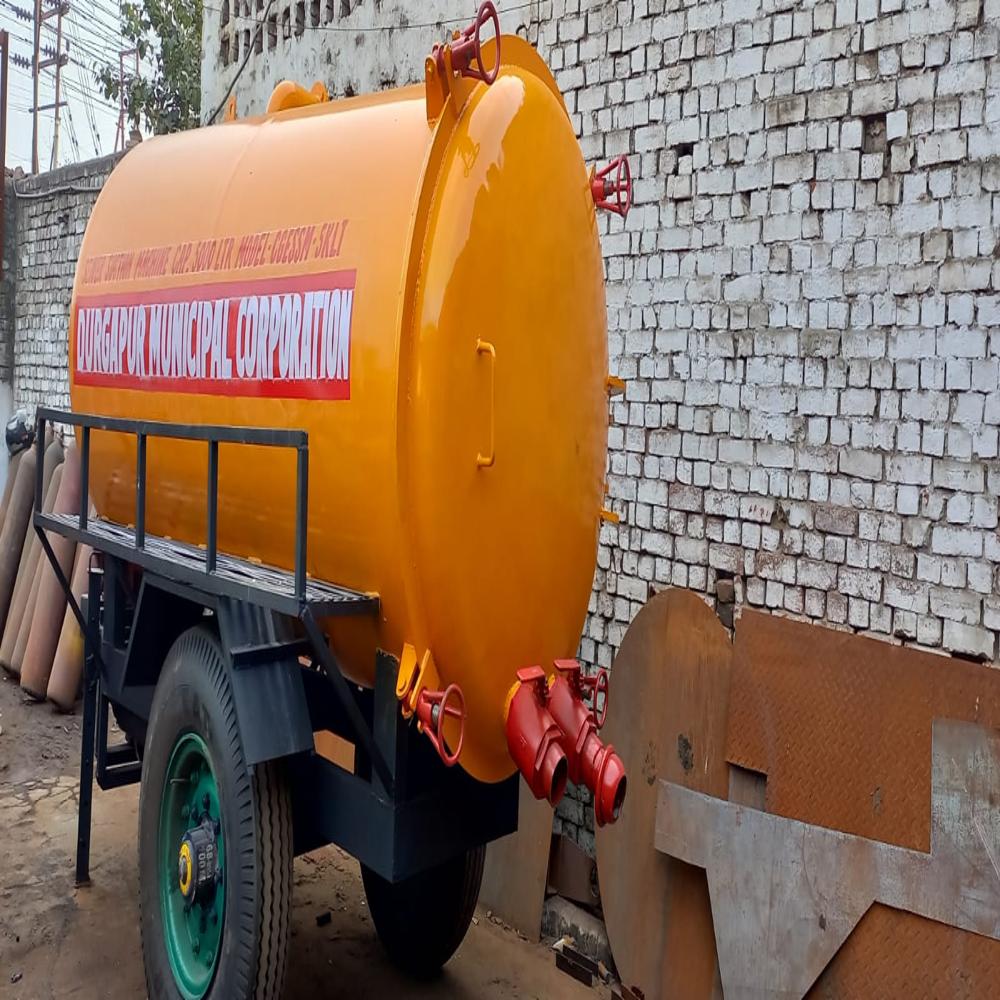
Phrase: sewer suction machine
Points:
(339, 382)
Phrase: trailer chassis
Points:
(400, 811)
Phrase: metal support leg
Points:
(91, 692)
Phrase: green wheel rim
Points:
(191, 929)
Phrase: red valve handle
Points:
(602, 187)
(432, 708)
(598, 684)
(468, 46)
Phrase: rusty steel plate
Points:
(841, 724)
(786, 894)
(667, 720)
(896, 954)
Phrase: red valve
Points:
(591, 762)
(603, 186)
(596, 685)
(534, 739)
(582, 686)
(432, 709)
(467, 47)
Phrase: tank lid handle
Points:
(289, 94)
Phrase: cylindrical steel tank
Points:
(417, 282)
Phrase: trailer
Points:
(216, 671)
(377, 520)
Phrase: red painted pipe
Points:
(533, 737)
(591, 763)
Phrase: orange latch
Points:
(289, 94)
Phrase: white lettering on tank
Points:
(289, 334)
(155, 330)
(344, 347)
(140, 342)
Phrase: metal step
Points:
(234, 577)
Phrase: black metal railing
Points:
(213, 436)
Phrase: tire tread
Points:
(260, 839)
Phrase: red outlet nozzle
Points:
(534, 739)
(591, 762)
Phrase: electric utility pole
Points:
(34, 104)
(120, 137)
(4, 69)
(56, 61)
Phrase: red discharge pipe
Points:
(534, 739)
(591, 763)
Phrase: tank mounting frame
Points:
(399, 811)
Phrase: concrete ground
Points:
(57, 941)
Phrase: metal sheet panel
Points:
(786, 894)
(841, 724)
(667, 720)
(516, 867)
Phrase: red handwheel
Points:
(603, 187)
(433, 707)
(600, 687)
(467, 47)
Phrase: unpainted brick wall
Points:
(50, 213)
(8, 260)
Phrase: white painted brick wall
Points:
(805, 304)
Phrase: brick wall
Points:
(328, 40)
(50, 215)
(805, 302)
(805, 307)
(8, 259)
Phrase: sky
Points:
(89, 120)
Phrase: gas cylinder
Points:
(31, 552)
(32, 585)
(50, 604)
(67, 667)
(415, 279)
(15, 526)
(8, 485)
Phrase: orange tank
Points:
(415, 279)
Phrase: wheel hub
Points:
(192, 871)
(198, 861)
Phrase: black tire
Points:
(422, 920)
(193, 694)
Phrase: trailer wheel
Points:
(422, 920)
(215, 841)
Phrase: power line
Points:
(243, 65)
(88, 106)
(353, 30)
(71, 128)
(83, 91)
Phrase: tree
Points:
(170, 32)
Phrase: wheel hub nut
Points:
(198, 861)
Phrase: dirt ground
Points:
(58, 942)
